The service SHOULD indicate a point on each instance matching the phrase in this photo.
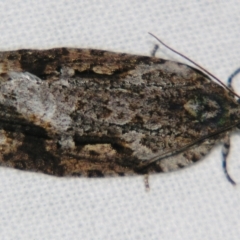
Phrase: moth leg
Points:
(232, 76)
(146, 182)
(225, 152)
(155, 48)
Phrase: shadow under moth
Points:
(93, 113)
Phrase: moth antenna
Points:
(196, 64)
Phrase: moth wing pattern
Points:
(82, 112)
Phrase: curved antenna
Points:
(202, 68)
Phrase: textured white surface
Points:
(196, 203)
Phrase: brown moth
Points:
(72, 112)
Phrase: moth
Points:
(94, 113)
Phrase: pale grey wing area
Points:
(190, 155)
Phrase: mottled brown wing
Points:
(95, 113)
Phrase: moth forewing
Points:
(72, 112)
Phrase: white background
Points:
(195, 203)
